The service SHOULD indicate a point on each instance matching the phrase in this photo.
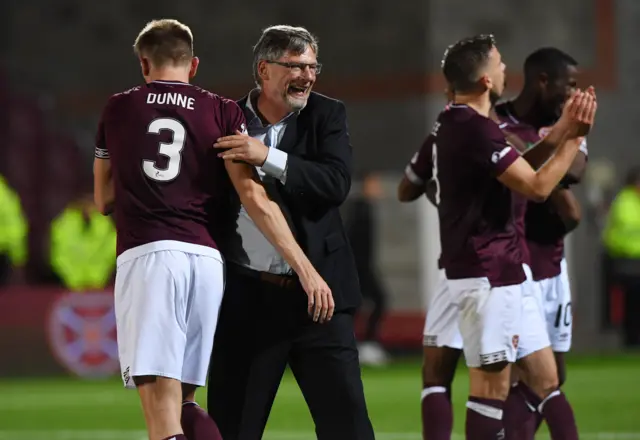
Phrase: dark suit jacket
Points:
(319, 168)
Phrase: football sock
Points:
(557, 412)
(176, 437)
(484, 419)
(519, 414)
(437, 414)
(196, 423)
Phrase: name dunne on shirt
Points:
(171, 99)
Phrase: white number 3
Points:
(172, 150)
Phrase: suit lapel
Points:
(288, 142)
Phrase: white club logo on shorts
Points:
(82, 333)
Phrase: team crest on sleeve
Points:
(82, 333)
(495, 157)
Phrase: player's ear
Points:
(195, 62)
(145, 66)
(486, 82)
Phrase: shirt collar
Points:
(252, 115)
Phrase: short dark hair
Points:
(548, 60)
(463, 60)
(165, 42)
(276, 40)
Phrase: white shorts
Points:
(167, 300)
(490, 319)
(555, 296)
(533, 334)
(441, 327)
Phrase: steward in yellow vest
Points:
(83, 246)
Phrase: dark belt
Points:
(282, 281)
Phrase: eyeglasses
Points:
(299, 67)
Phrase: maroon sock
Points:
(196, 423)
(518, 414)
(176, 437)
(558, 413)
(437, 414)
(533, 425)
(533, 400)
(484, 419)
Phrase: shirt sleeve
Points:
(420, 169)
(101, 150)
(233, 117)
(492, 149)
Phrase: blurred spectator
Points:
(622, 243)
(13, 236)
(83, 246)
(362, 230)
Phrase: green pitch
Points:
(605, 393)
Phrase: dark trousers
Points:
(262, 328)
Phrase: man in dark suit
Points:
(299, 143)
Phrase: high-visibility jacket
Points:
(622, 233)
(83, 250)
(13, 225)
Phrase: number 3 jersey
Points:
(464, 154)
(167, 177)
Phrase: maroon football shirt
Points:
(545, 239)
(478, 233)
(167, 176)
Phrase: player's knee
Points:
(544, 384)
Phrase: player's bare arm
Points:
(269, 219)
(561, 132)
(567, 206)
(537, 186)
(103, 190)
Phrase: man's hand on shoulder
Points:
(242, 147)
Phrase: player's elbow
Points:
(538, 193)
(538, 197)
(406, 191)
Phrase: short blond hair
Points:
(165, 41)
